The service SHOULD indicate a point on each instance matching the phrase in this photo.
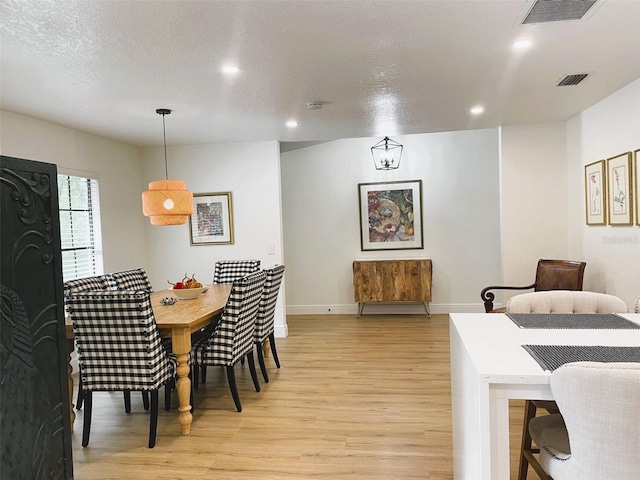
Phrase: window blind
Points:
(80, 232)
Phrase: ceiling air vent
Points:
(572, 80)
(557, 11)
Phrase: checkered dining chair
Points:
(226, 271)
(96, 283)
(99, 282)
(119, 348)
(135, 280)
(232, 339)
(266, 314)
(636, 307)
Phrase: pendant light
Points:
(167, 202)
(386, 154)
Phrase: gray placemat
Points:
(550, 357)
(603, 321)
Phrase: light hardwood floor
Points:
(356, 398)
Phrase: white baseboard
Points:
(386, 309)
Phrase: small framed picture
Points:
(391, 215)
(211, 222)
(595, 193)
(619, 189)
(636, 166)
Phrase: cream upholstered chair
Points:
(550, 275)
(555, 301)
(564, 301)
(597, 435)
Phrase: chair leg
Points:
(529, 413)
(80, 396)
(86, 428)
(145, 400)
(127, 401)
(252, 369)
(168, 388)
(153, 420)
(263, 367)
(231, 377)
(272, 342)
(195, 374)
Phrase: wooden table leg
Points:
(181, 341)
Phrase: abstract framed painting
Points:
(619, 189)
(211, 222)
(391, 215)
(595, 193)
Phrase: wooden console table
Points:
(384, 281)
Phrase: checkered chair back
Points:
(135, 280)
(267, 308)
(636, 307)
(118, 342)
(233, 337)
(99, 282)
(226, 271)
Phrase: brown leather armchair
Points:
(550, 275)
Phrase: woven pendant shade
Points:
(167, 202)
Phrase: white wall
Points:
(460, 208)
(116, 165)
(534, 201)
(251, 172)
(607, 129)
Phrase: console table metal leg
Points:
(426, 309)
(360, 308)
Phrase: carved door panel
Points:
(34, 396)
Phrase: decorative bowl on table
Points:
(188, 293)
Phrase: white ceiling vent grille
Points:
(572, 80)
(558, 10)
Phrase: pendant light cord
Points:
(164, 135)
(163, 112)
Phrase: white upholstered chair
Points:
(565, 301)
(597, 434)
(554, 301)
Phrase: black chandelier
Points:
(386, 154)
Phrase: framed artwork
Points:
(636, 166)
(211, 222)
(619, 189)
(391, 215)
(595, 193)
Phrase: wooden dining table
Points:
(177, 322)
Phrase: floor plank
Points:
(356, 398)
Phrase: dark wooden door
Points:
(34, 395)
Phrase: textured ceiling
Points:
(380, 67)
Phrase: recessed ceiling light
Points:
(230, 69)
(477, 110)
(522, 44)
(292, 124)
